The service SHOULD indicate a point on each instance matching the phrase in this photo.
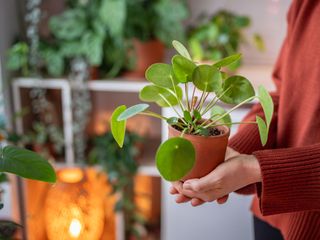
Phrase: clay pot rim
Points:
(226, 133)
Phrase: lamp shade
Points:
(74, 207)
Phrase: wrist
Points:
(252, 168)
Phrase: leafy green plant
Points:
(120, 166)
(161, 19)
(18, 56)
(175, 157)
(221, 36)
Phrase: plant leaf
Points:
(27, 164)
(240, 89)
(172, 120)
(187, 116)
(175, 158)
(218, 111)
(151, 93)
(118, 128)
(207, 78)
(196, 114)
(181, 49)
(182, 68)
(160, 74)
(266, 103)
(132, 111)
(263, 130)
(227, 61)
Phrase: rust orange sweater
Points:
(289, 196)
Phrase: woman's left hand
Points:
(238, 171)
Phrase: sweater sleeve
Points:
(290, 179)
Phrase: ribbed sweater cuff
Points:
(290, 179)
(246, 140)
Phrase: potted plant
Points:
(220, 36)
(197, 144)
(151, 25)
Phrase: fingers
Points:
(173, 190)
(199, 185)
(223, 200)
(182, 198)
(195, 202)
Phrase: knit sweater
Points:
(289, 196)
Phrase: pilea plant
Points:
(208, 84)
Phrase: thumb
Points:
(198, 184)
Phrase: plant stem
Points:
(183, 132)
(176, 95)
(200, 100)
(164, 99)
(153, 114)
(187, 96)
(214, 101)
(231, 110)
(204, 99)
(193, 92)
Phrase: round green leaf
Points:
(239, 89)
(175, 158)
(217, 112)
(118, 128)
(152, 93)
(207, 78)
(27, 164)
(182, 50)
(160, 74)
(266, 103)
(263, 130)
(132, 111)
(227, 61)
(182, 68)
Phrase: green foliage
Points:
(132, 111)
(118, 128)
(207, 78)
(156, 19)
(218, 111)
(220, 36)
(160, 74)
(27, 164)
(120, 166)
(175, 157)
(18, 56)
(182, 68)
(237, 89)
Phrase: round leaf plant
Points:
(176, 156)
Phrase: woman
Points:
(285, 178)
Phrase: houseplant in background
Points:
(150, 26)
(220, 36)
(121, 166)
(197, 144)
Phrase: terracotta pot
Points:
(147, 53)
(93, 73)
(210, 151)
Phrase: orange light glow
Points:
(75, 228)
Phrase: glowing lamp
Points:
(74, 208)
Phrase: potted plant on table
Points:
(150, 26)
(197, 144)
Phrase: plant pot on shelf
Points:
(147, 53)
(210, 151)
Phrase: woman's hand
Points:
(238, 170)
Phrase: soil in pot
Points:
(147, 53)
(210, 150)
